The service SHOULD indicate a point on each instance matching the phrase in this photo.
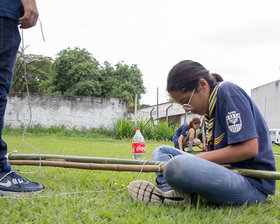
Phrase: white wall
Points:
(70, 111)
(267, 98)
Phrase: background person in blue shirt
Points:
(185, 136)
(12, 14)
(236, 133)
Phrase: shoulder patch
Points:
(234, 121)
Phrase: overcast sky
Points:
(238, 39)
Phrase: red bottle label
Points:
(138, 147)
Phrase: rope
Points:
(36, 150)
(30, 114)
(23, 196)
(30, 109)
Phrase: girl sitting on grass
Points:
(236, 134)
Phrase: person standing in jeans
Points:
(13, 13)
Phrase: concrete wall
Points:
(70, 111)
(267, 98)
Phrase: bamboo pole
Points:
(81, 159)
(135, 168)
(266, 174)
(90, 166)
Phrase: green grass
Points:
(106, 202)
(121, 129)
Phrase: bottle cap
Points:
(137, 129)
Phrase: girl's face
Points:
(196, 126)
(198, 100)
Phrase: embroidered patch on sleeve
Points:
(234, 121)
(219, 139)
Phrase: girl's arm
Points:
(233, 153)
(180, 142)
(204, 142)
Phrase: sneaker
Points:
(192, 152)
(145, 191)
(164, 188)
(14, 184)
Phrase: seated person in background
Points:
(185, 135)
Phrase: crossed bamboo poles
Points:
(114, 164)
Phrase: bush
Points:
(124, 128)
(163, 131)
(60, 131)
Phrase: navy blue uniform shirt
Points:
(12, 9)
(182, 130)
(237, 119)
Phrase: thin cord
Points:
(24, 196)
(37, 151)
(30, 116)
(30, 111)
(42, 33)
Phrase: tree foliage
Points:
(38, 68)
(77, 72)
(123, 81)
(73, 67)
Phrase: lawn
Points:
(84, 196)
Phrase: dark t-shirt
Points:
(237, 119)
(182, 130)
(11, 9)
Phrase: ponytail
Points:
(217, 77)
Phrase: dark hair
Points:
(195, 120)
(217, 77)
(185, 75)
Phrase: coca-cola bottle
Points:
(138, 146)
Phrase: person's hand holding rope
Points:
(31, 14)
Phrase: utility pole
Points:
(135, 106)
(157, 104)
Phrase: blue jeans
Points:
(189, 174)
(9, 43)
(175, 141)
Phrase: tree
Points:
(37, 71)
(107, 73)
(74, 71)
(123, 81)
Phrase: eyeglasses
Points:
(187, 106)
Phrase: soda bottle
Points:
(138, 146)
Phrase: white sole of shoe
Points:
(145, 191)
(18, 194)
